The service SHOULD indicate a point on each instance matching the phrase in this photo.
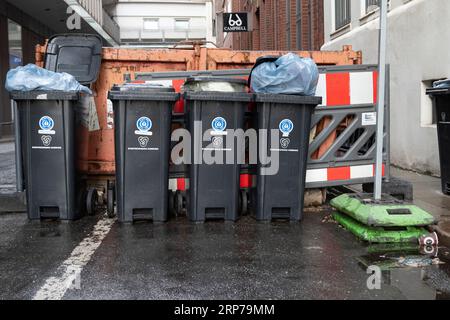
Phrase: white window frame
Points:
(333, 17)
(427, 112)
(364, 11)
(153, 20)
(188, 20)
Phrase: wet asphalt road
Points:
(216, 260)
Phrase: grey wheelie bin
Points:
(47, 121)
(48, 148)
(142, 117)
(441, 100)
(280, 193)
(214, 188)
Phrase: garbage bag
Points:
(442, 84)
(31, 77)
(289, 74)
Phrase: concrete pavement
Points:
(428, 195)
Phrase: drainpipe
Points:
(310, 33)
(275, 22)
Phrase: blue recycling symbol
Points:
(46, 123)
(144, 124)
(219, 124)
(286, 126)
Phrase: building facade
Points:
(164, 23)
(418, 33)
(276, 24)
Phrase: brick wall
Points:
(271, 30)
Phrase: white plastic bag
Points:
(32, 77)
(289, 74)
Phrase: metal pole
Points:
(381, 99)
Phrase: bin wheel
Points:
(178, 202)
(244, 202)
(91, 201)
(110, 200)
(172, 210)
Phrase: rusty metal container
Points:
(96, 146)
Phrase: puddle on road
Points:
(418, 273)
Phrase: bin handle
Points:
(438, 90)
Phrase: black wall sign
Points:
(235, 22)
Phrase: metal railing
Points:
(162, 34)
(94, 8)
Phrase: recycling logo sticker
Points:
(46, 140)
(46, 124)
(286, 126)
(144, 125)
(217, 142)
(219, 124)
(143, 141)
(284, 142)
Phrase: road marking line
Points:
(55, 287)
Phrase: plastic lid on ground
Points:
(77, 54)
(213, 84)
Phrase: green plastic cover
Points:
(384, 214)
(379, 234)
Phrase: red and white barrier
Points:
(347, 88)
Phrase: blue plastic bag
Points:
(289, 74)
(442, 84)
(31, 77)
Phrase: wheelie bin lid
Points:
(77, 54)
(150, 92)
(288, 99)
(218, 96)
(44, 95)
(441, 87)
(214, 84)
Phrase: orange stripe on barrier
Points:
(341, 173)
(179, 105)
(338, 89)
(375, 86)
(246, 181)
(181, 184)
(383, 171)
